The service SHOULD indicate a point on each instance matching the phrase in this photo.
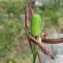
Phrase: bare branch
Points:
(41, 45)
(28, 13)
(39, 57)
(27, 16)
(52, 41)
(45, 39)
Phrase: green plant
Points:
(34, 37)
(54, 19)
(9, 29)
(35, 31)
(48, 13)
(37, 10)
(15, 7)
(35, 24)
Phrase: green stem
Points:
(35, 50)
(35, 54)
(30, 43)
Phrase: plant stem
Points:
(35, 50)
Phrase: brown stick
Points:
(52, 41)
(39, 57)
(41, 45)
(45, 39)
(27, 17)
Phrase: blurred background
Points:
(13, 41)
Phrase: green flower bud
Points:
(35, 24)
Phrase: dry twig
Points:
(41, 45)
(39, 57)
(45, 39)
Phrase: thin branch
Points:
(45, 39)
(28, 13)
(41, 45)
(39, 57)
(52, 41)
(27, 16)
